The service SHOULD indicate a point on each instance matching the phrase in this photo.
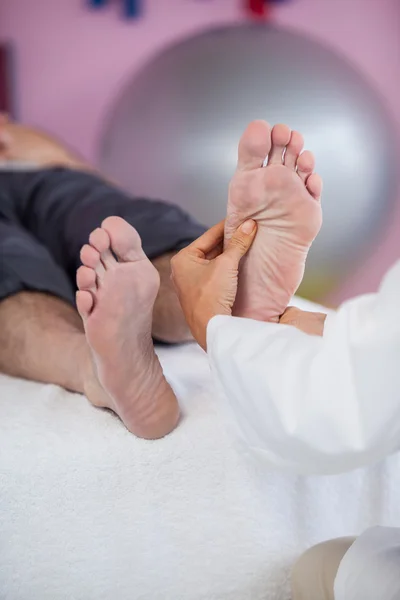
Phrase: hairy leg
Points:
(169, 324)
(42, 338)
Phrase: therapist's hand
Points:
(206, 277)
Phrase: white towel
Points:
(89, 512)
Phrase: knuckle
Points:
(239, 242)
(175, 261)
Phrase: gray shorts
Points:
(47, 215)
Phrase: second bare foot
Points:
(115, 300)
(284, 199)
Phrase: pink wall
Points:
(71, 62)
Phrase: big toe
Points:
(125, 240)
(254, 145)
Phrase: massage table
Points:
(89, 512)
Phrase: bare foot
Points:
(115, 300)
(283, 198)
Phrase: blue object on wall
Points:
(98, 3)
(132, 8)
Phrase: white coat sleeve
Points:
(315, 405)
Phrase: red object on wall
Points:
(258, 8)
(5, 80)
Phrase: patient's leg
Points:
(283, 198)
(42, 338)
(169, 324)
(68, 205)
(62, 207)
(19, 143)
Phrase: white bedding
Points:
(88, 512)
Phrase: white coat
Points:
(315, 405)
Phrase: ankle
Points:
(73, 375)
(87, 373)
(169, 324)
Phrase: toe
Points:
(280, 136)
(314, 186)
(305, 165)
(90, 257)
(254, 145)
(125, 240)
(86, 279)
(293, 149)
(100, 240)
(84, 303)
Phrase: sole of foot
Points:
(275, 185)
(118, 286)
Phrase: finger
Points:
(215, 251)
(241, 241)
(209, 240)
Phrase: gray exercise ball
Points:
(173, 131)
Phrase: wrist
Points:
(201, 318)
(312, 323)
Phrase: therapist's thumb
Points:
(241, 240)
